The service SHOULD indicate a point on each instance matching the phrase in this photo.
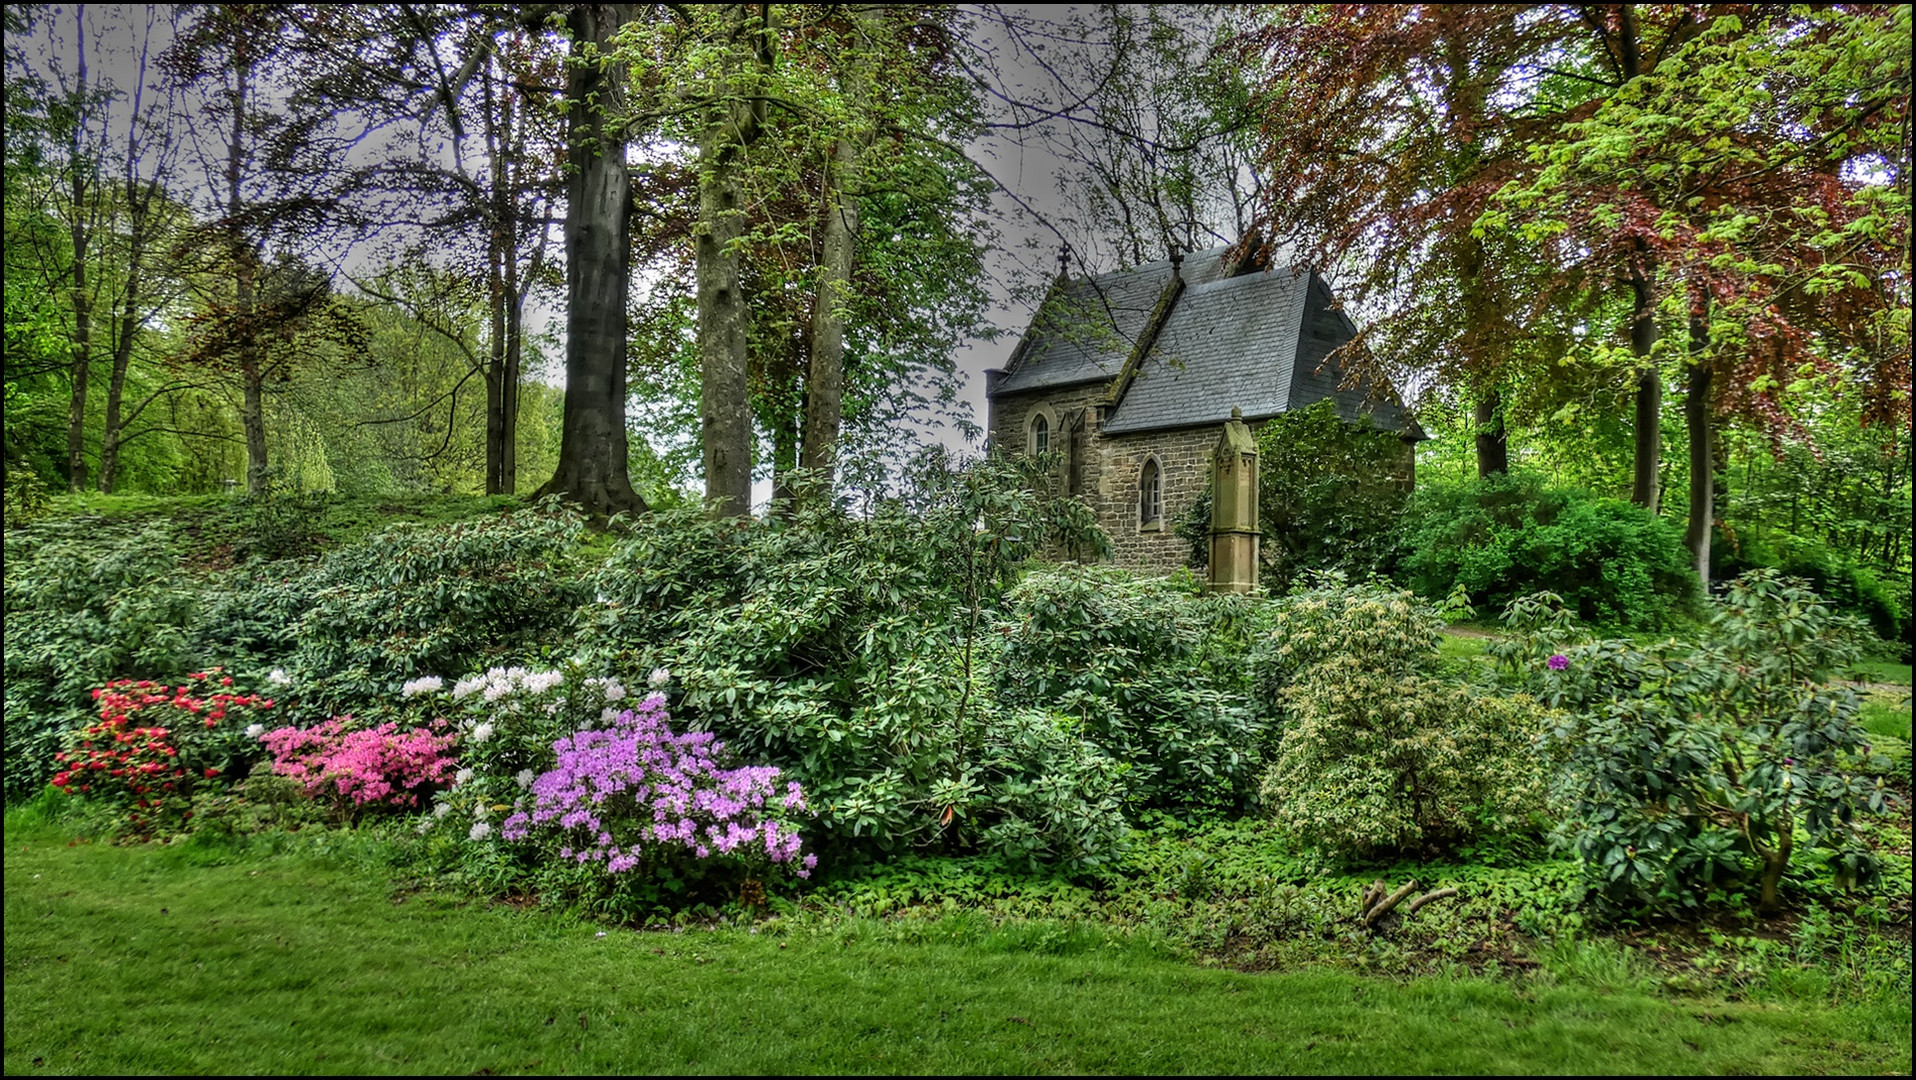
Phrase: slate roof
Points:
(1227, 343)
(1085, 329)
(1255, 341)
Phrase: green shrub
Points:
(84, 605)
(1374, 753)
(1123, 656)
(26, 497)
(1054, 796)
(1502, 537)
(1330, 496)
(1373, 761)
(277, 524)
(418, 600)
(1394, 631)
(672, 570)
(1839, 580)
(1692, 770)
(850, 652)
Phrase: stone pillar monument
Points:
(1234, 529)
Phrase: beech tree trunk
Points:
(81, 234)
(495, 363)
(1644, 487)
(1697, 417)
(825, 383)
(724, 320)
(515, 365)
(82, 348)
(122, 359)
(1493, 448)
(502, 255)
(592, 469)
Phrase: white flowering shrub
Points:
(507, 720)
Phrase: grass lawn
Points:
(1884, 671)
(1887, 716)
(189, 960)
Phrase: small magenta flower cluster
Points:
(623, 792)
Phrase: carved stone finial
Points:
(1237, 413)
(1064, 261)
(1177, 263)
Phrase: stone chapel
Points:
(1130, 376)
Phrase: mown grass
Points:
(1883, 671)
(1885, 716)
(297, 957)
(1469, 648)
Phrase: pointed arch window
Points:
(1040, 434)
(1150, 494)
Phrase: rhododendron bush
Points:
(632, 793)
(359, 768)
(507, 720)
(155, 743)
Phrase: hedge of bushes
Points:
(699, 703)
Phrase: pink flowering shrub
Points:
(633, 791)
(366, 767)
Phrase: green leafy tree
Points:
(1330, 497)
(1755, 179)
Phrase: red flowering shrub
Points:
(154, 744)
(355, 769)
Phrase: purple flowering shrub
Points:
(635, 793)
(507, 720)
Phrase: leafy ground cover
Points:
(296, 954)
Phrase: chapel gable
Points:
(1126, 378)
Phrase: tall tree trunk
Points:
(516, 289)
(593, 465)
(245, 270)
(498, 251)
(825, 382)
(1697, 416)
(1649, 393)
(1648, 449)
(515, 346)
(81, 234)
(1493, 449)
(724, 320)
(82, 347)
(122, 360)
(495, 366)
